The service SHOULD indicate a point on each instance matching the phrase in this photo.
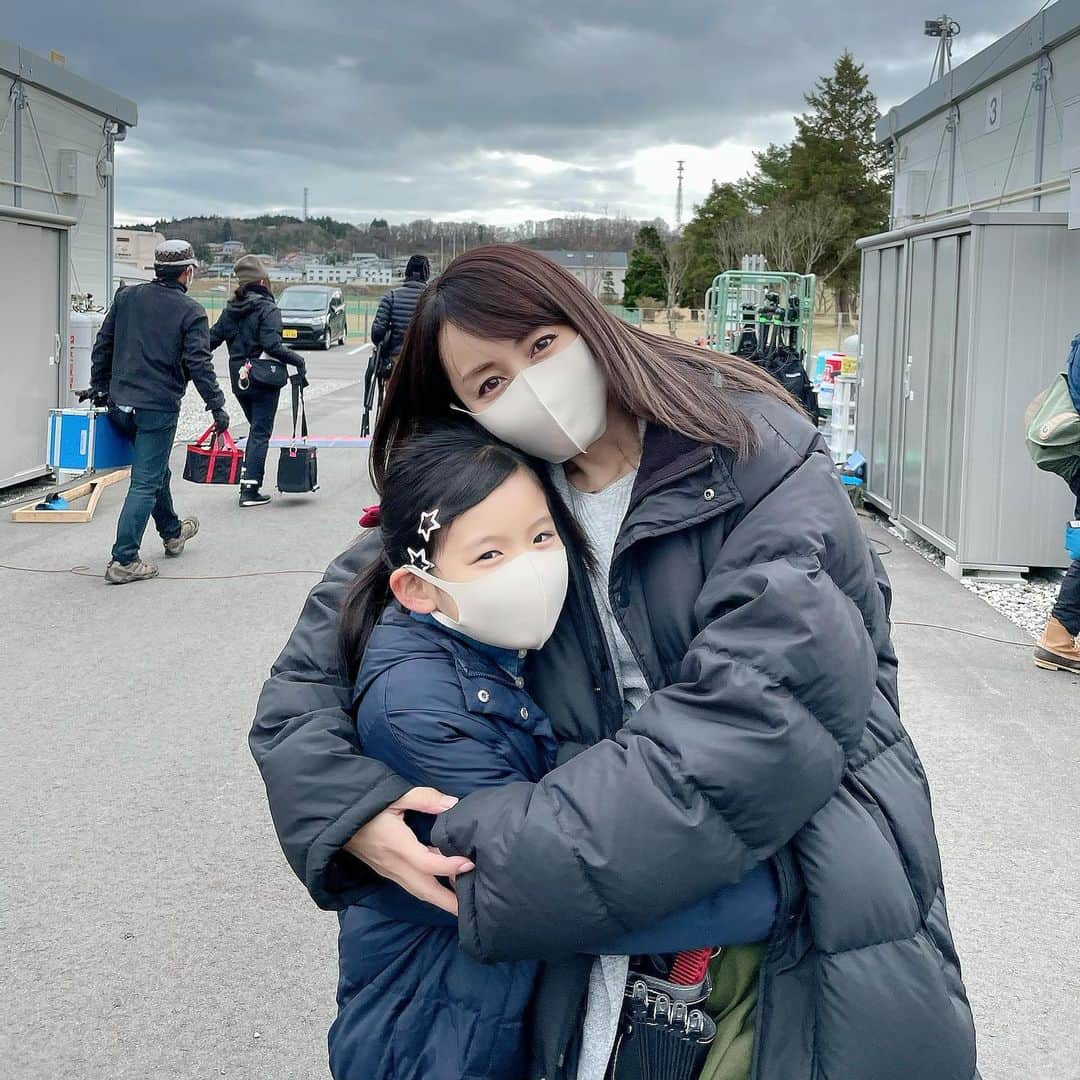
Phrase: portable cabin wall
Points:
(55, 233)
(994, 133)
(63, 126)
(48, 117)
(964, 320)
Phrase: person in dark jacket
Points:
(445, 706)
(396, 307)
(1057, 648)
(153, 341)
(251, 325)
(388, 332)
(766, 727)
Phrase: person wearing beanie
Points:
(155, 339)
(392, 320)
(251, 325)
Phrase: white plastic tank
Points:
(83, 327)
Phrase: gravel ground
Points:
(1027, 604)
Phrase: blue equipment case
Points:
(85, 439)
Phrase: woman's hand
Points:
(391, 849)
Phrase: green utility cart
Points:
(775, 304)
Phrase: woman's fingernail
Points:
(446, 802)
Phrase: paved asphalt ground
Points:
(149, 926)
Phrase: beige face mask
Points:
(555, 409)
(513, 607)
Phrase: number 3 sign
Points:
(993, 109)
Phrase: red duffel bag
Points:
(213, 459)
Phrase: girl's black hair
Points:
(454, 465)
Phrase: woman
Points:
(251, 324)
(724, 694)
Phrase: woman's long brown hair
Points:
(503, 292)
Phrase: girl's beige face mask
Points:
(555, 409)
(513, 607)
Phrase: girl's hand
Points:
(391, 849)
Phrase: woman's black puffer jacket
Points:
(760, 617)
(251, 324)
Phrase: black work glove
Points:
(221, 420)
(299, 379)
(97, 398)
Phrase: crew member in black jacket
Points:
(154, 339)
(396, 308)
(251, 324)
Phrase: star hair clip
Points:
(429, 523)
(420, 560)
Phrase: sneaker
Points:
(250, 495)
(188, 528)
(125, 573)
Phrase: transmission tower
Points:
(678, 198)
(305, 203)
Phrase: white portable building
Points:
(57, 138)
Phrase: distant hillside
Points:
(281, 234)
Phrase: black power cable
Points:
(85, 571)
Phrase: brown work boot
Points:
(123, 574)
(188, 528)
(1056, 650)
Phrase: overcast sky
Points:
(492, 110)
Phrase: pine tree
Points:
(833, 158)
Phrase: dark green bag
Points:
(1053, 430)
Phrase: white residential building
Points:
(329, 275)
(374, 275)
(603, 273)
(133, 255)
(360, 257)
(287, 274)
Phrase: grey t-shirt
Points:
(600, 515)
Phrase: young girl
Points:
(476, 555)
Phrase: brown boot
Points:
(1056, 650)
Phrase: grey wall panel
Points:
(869, 309)
(30, 281)
(1028, 279)
(939, 385)
(920, 316)
(957, 419)
(878, 440)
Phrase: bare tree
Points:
(823, 229)
(676, 261)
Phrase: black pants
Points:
(1067, 608)
(260, 405)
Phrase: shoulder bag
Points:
(1053, 430)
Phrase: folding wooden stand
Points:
(90, 490)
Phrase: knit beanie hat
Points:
(175, 253)
(249, 268)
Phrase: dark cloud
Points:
(479, 107)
